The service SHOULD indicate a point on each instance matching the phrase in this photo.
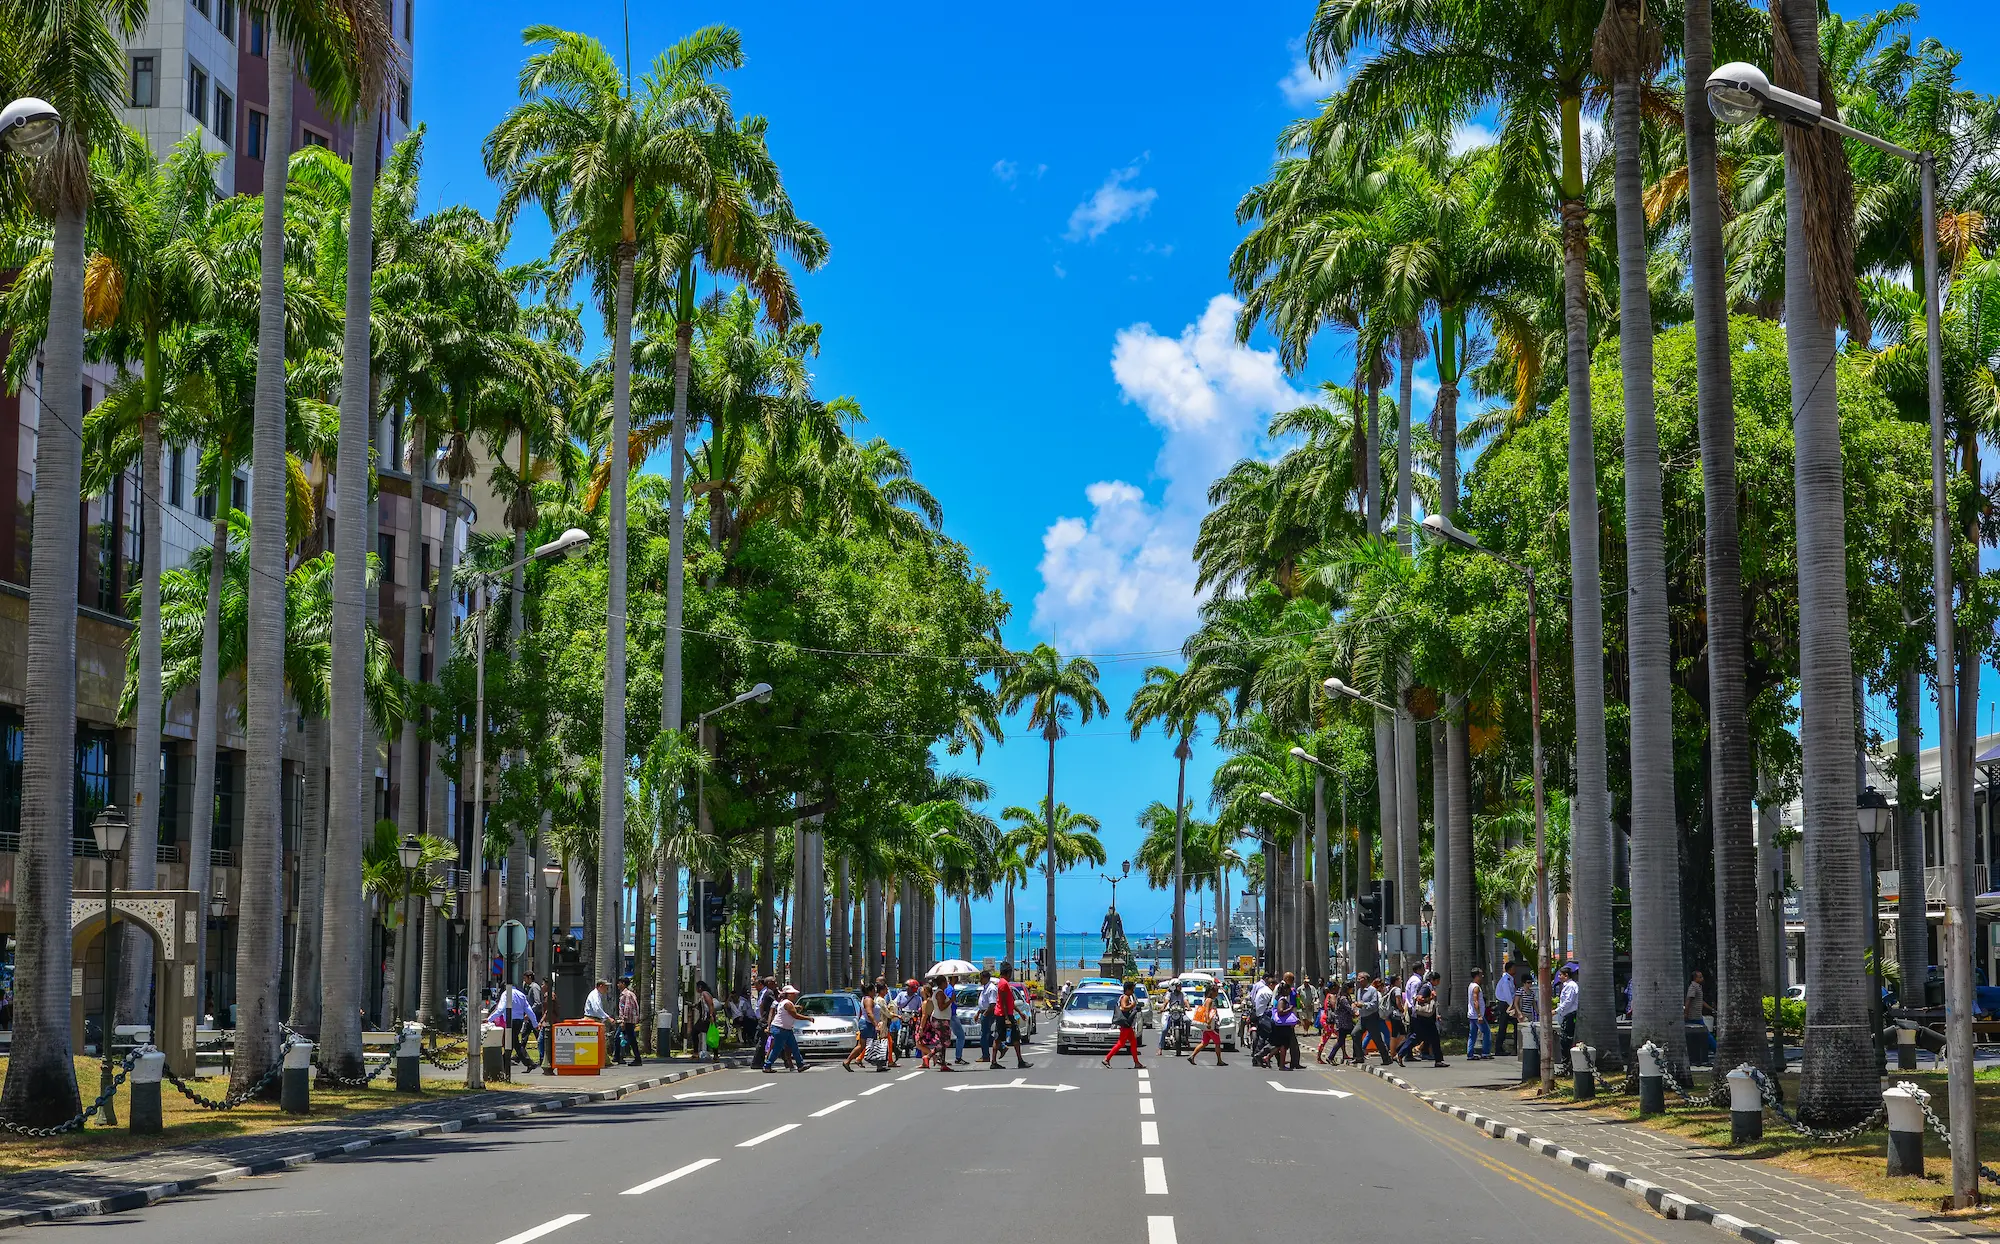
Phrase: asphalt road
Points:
(1182, 1154)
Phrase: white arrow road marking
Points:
(913, 1075)
(1145, 1105)
(755, 1088)
(1156, 1176)
(669, 1177)
(821, 1114)
(754, 1141)
(878, 1088)
(536, 1233)
(1016, 1082)
(1313, 1092)
(1149, 1133)
(1160, 1229)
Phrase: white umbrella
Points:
(951, 967)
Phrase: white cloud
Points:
(1124, 574)
(1470, 135)
(1305, 85)
(1061, 272)
(1109, 204)
(1423, 390)
(1006, 170)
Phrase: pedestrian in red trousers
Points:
(1127, 1019)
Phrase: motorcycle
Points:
(1176, 1031)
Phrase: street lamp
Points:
(475, 919)
(1441, 527)
(30, 127)
(109, 829)
(1336, 687)
(760, 693)
(1740, 93)
(552, 879)
(1871, 811)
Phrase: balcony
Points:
(1889, 884)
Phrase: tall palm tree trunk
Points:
(41, 1082)
(1838, 1082)
(666, 917)
(343, 947)
(519, 884)
(1739, 984)
(409, 751)
(207, 726)
(965, 926)
(843, 945)
(1590, 824)
(444, 786)
(305, 1010)
(1912, 948)
(642, 949)
(872, 916)
(1007, 911)
(611, 794)
(135, 954)
(1458, 898)
(1409, 851)
(1318, 950)
(767, 892)
(1180, 880)
(1445, 946)
(1385, 731)
(1049, 862)
(671, 687)
(261, 902)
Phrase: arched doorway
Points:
(169, 916)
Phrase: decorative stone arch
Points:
(171, 917)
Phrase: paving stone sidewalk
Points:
(1679, 1177)
(115, 1185)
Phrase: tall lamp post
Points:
(1292, 894)
(1738, 94)
(109, 829)
(409, 853)
(475, 890)
(1871, 810)
(1442, 528)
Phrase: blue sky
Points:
(1030, 208)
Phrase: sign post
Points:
(513, 944)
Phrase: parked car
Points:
(830, 1022)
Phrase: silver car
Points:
(965, 1004)
(1086, 1021)
(829, 1023)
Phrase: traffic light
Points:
(708, 906)
(1371, 910)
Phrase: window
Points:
(424, 565)
(12, 754)
(200, 6)
(225, 18)
(225, 118)
(385, 549)
(409, 18)
(254, 125)
(313, 138)
(204, 504)
(177, 477)
(403, 102)
(228, 798)
(93, 780)
(173, 793)
(257, 32)
(238, 488)
(197, 101)
(145, 83)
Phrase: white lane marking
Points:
(1284, 1088)
(1145, 1105)
(755, 1088)
(1149, 1133)
(913, 1075)
(1160, 1229)
(669, 1177)
(878, 1088)
(754, 1141)
(821, 1114)
(1145, 1087)
(1156, 1176)
(536, 1233)
(1145, 1074)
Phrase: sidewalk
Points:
(125, 1183)
(1680, 1178)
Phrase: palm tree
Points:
(1628, 54)
(592, 152)
(1739, 987)
(70, 57)
(1163, 699)
(1052, 689)
(1437, 63)
(1061, 842)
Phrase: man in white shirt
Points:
(989, 1002)
(1478, 1037)
(593, 1006)
(1411, 986)
(512, 1013)
(1503, 1001)
(1566, 1010)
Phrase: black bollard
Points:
(146, 1116)
(295, 1082)
(1906, 1129)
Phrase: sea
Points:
(1072, 950)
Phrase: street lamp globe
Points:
(1872, 811)
(437, 900)
(217, 906)
(1736, 93)
(552, 874)
(30, 126)
(411, 852)
(109, 830)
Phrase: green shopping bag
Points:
(714, 1035)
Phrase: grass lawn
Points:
(187, 1123)
(1858, 1164)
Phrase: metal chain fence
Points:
(1937, 1125)
(84, 1116)
(233, 1100)
(1768, 1090)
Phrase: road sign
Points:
(513, 939)
(1282, 1088)
(689, 944)
(1016, 1082)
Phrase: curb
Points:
(138, 1198)
(1663, 1201)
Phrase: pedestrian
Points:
(1503, 1005)
(1126, 1016)
(784, 1032)
(547, 1052)
(1261, 999)
(707, 1031)
(1007, 1019)
(1208, 1021)
(1695, 1008)
(1478, 1035)
(1527, 1006)
(989, 999)
(1329, 1025)
(1424, 1020)
(909, 1005)
(864, 1029)
(594, 1007)
(512, 1012)
(1285, 1025)
(1566, 1003)
(953, 1022)
(937, 1024)
(628, 1019)
(1368, 1004)
(1396, 1006)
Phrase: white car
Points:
(965, 1004)
(1194, 987)
(1086, 1023)
(830, 1023)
